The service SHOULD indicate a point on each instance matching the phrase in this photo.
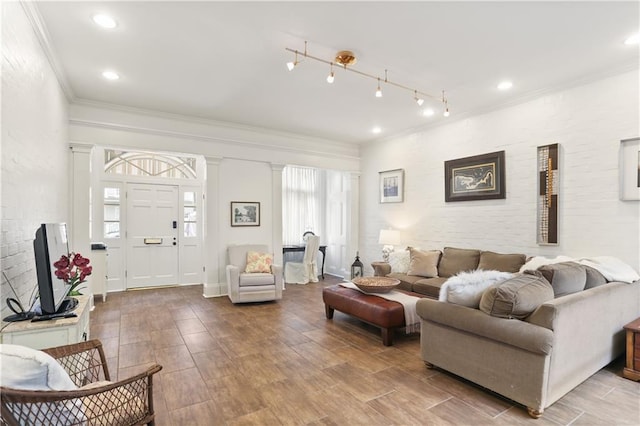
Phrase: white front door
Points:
(152, 235)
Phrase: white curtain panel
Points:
(301, 203)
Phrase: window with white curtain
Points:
(302, 203)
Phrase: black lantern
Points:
(356, 267)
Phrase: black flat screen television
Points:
(49, 245)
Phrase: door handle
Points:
(175, 224)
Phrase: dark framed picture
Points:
(480, 177)
(392, 186)
(245, 213)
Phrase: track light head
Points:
(292, 65)
(330, 78)
(378, 90)
(446, 112)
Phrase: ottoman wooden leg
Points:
(328, 311)
(387, 336)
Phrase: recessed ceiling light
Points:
(111, 75)
(505, 85)
(376, 130)
(104, 21)
(634, 39)
(428, 112)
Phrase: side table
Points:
(632, 367)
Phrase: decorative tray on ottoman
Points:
(376, 284)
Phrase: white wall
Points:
(35, 149)
(587, 121)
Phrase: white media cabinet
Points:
(47, 334)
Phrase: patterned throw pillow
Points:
(258, 262)
(399, 261)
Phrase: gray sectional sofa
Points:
(428, 270)
(537, 359)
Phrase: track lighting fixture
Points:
(292, 65)
(330, 77)
(346, 58)
(378, 90)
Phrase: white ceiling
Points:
(225, 61)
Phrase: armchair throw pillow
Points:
(258, 262)
(30, 369)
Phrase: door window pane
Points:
(189, 214)
(112, 229)
(189, 198)
(111, 213)
(190, 229)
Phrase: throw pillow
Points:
(594, 277)
(456, 260)
(517, 297)
(501, 262)
(30, 369)
(423, 263)
(399, 261)
(466, 288)
(565, 277)
(258, 262)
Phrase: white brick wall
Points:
(34, 150)
(587, 121)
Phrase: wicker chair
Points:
(99, 402)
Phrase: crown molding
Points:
(210, 122)
(205, 138)
(40, 29)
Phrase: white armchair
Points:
(251, 287)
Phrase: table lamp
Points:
(389, 238)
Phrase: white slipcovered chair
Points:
(251, 287)
(307, 271)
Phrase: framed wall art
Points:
(629, 169)
(392, 186)
(480, 177)
(548, 192)
(245, 213)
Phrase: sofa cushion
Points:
(456, 260)
(399, 261)
(565, 277)
(424, 263)
(258, 262)
(594, 277)
(501, 262)
(466, 288)
(256, 278)
(517, 297)
(406, 281)
(430, 287)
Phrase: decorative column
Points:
(79, 211)
(214, 276)
(79, 188)
(276, 201)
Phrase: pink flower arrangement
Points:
(73, 269)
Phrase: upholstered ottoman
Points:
(385, 314)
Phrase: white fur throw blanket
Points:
(411, 318)
(611, 267)
(466, 288)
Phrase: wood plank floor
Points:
(284, 363)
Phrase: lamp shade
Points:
(389, 237)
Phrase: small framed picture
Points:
(630, 169)
(392, 186)
(245, 213)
